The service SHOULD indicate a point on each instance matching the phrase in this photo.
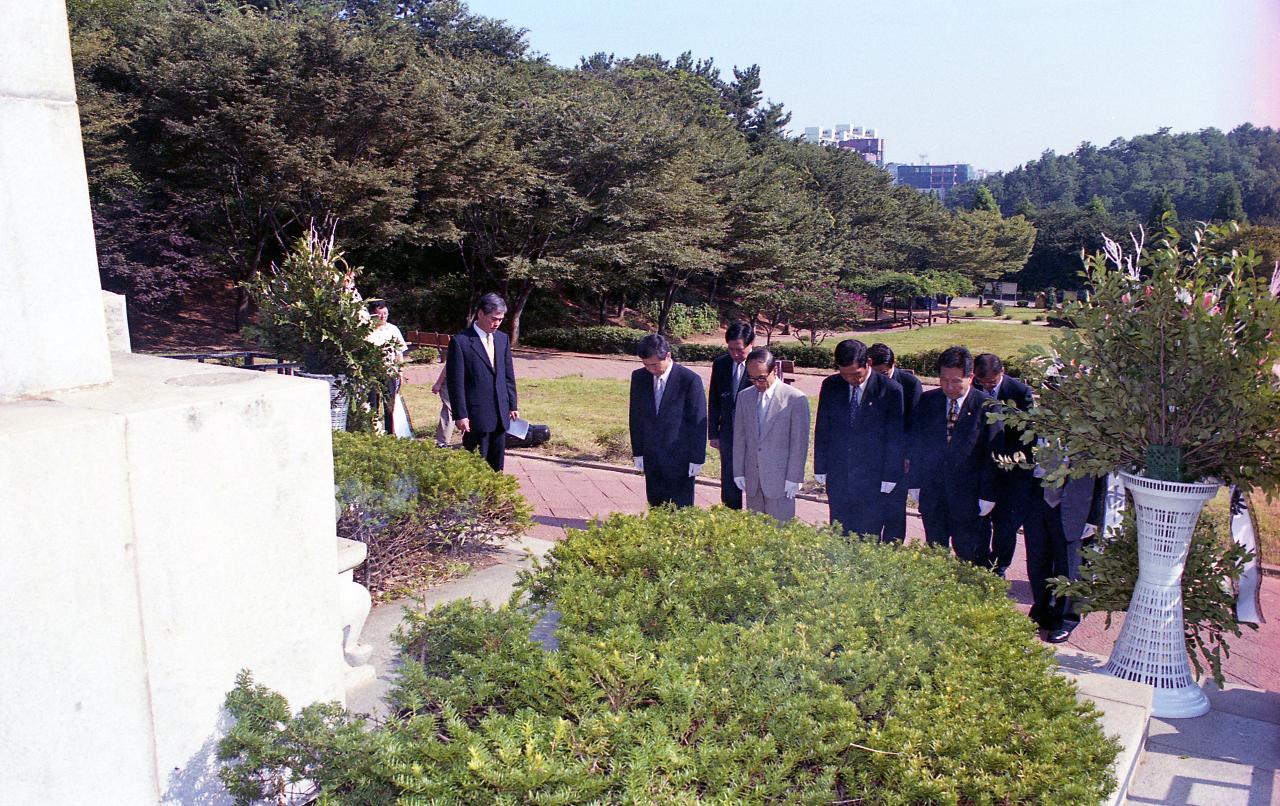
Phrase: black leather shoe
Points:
(1057, 636)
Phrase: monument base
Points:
(157, 535)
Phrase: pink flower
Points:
(1125, 298)
(1148, 291)
(1207, 302)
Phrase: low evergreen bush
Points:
(410, 501)
(969, 314)
(704, 657)
(1023, 303)
(688, 353)
(604, 339)
(997, 308)
(684, 320)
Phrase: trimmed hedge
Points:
(410, 501)
(601, 339)
(704, 657)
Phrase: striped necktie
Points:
(953, 414)
(855, 400)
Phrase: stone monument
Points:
(163, 524)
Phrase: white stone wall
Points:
(50, 305)
(157, 535)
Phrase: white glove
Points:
(694, 469)
(639, 460)
(1089, 531)
(740, 482)
(886, 487)
(821, 478)
(915, 495)
(791, 488)
(985, 507)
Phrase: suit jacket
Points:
(857, 457)
(482, 392)
(721, 400)
(1013, 393)
(675, 437)
(1014, 485)
(1083, 502)
(960, 471)
(911, 391)
(774, 454)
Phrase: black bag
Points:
(538, 434)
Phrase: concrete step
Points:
(1125, 708)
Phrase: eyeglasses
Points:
(757, 378)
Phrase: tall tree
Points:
(1230, 205)
(984, 201)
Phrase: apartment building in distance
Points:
(847, 136)
(935, 179)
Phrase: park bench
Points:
(422, 338)
(786, 367)
(245, 359)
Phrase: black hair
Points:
(655, 345)
(987, 364)
(880, 354)
(851, 351)
(740, 330)
(956, 358)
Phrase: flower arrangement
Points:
(308, 312)
(1168, 368)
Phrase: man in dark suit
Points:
(882, 361)
(1015, 486)
(482, 382)
(952, 473)
(668, 423)
(1058, 521)
(728, 378)
(858, 443)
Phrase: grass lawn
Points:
(588, 418)
(1002, 338)
(1266, 513)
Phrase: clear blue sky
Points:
(989, 82)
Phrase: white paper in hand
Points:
(519, 428)
(400, 420)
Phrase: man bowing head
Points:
(770, 439)
(668, 422)
(482, 382)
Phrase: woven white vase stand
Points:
(1151, 648)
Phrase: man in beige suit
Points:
(770, 439)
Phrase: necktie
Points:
(488, 348)
(764, 404)
(953, 414)
(657, 394)
(855, 400)
(737, 377)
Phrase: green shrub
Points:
(925, 363)
(603, 339)
(802, 354)
(410, 501)
(423, 354)
(687, 353)
(705, 657)
(1040, 317)
(1026, 321)
(969, 314)
(683, 320)
(1007, 317)
(1022, 303)
(615, 442)
(997, 308)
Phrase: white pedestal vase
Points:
(1151, 648)
(337, 398)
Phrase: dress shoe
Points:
(1057, 636)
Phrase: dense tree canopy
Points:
(1073, 198)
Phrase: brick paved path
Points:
(565, 495)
